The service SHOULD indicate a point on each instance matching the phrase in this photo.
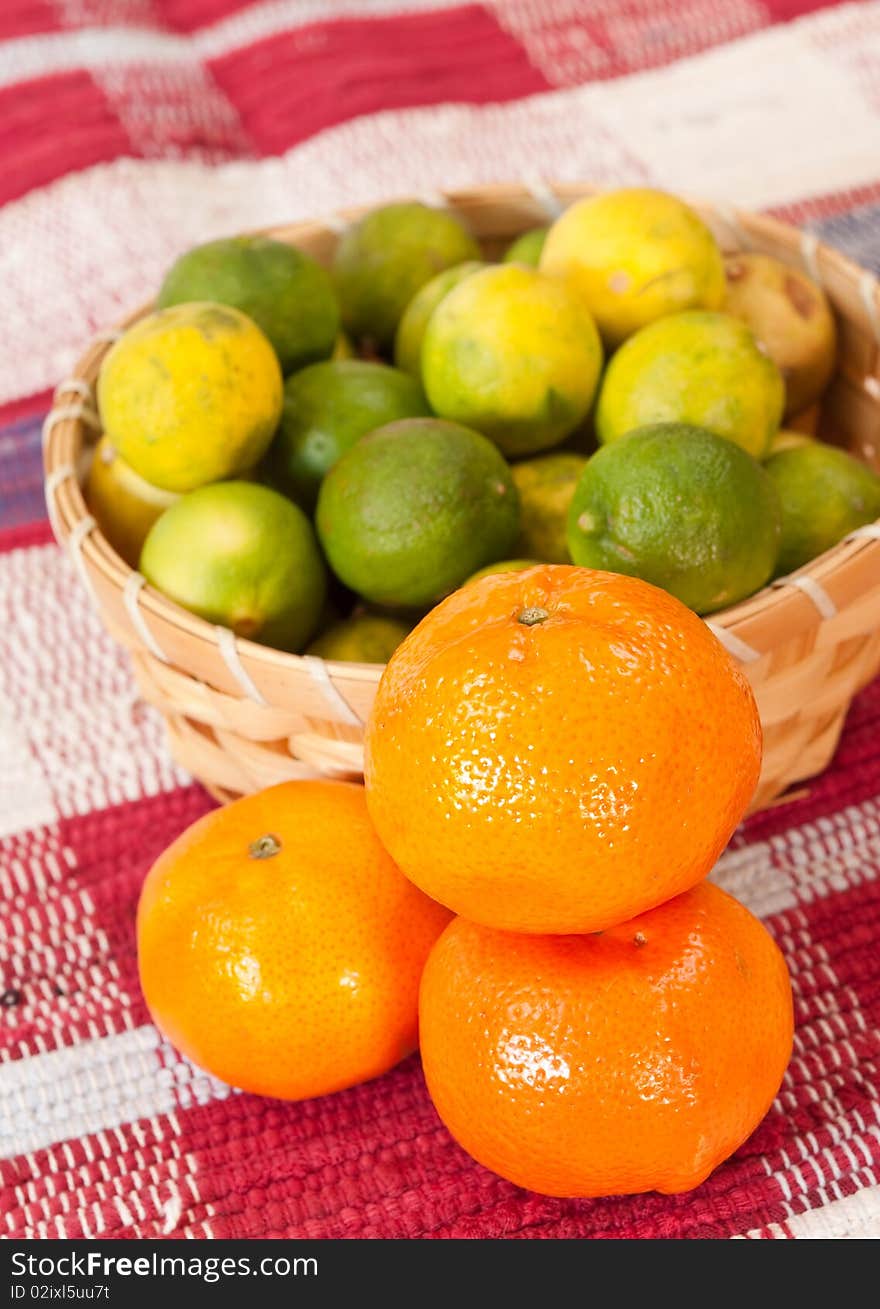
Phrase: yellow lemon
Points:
(700, 368)
(191, 394)
(514, 355)
(125, 506)
(634, 255)
(411, 328)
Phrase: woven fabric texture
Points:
(130, 129)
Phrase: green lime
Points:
(526, 249)
(329, 406)
(411, 328)
(679, 507)
(504, 566)
(363, 639)
(242, 556)
(383, 259)
(698, 367)
(546, 486)
(414, 508)
(825, 493)
(286, 292)
(514, 355)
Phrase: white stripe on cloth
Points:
(720, 113)
(98, 47)
(25, 796)
(804, 863)
(94, 1086)
(68, 693)
(856, 1217)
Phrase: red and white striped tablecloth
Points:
(130, 129)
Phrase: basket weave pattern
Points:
(241, 716)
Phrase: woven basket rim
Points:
(791, 606)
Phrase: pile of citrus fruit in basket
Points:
(315, 456)
(518, 484)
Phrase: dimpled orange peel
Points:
(635, 1059)
(559, 749)
(280, 948)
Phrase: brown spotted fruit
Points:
(791, 319)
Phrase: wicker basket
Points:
(241, 716)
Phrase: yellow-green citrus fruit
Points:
(384, 258)
(414, 508)
(242, 556)
(786, 439)
(124, 505)
(411, 328)
(363, 639)
(191, 394)
(791, 319)
(343, 348)
(825, 494)
(681, 508)
(329, 406)
(286, 292)
(514, 355)
(546, 486)
(633, 256)
(526, 249)
(700, 368)
(504, 566)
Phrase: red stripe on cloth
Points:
(187, 15)
(25, 535)
(74, 888)
(27, 17)
(291, 85)
(52, 126)
(25, 407)
(784, 11)
(376, 1162)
